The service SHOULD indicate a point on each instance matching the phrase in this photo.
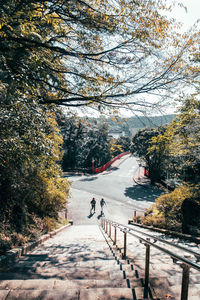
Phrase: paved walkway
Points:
(79, 205)
(79, 209)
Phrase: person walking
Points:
(93, 205)
(102, 203)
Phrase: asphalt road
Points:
(117, 187)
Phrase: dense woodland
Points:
(87, 141)
(172, 158)
(97, 55)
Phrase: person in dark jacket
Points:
(102, 203)
(93, 205)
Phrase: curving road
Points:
(118, 188)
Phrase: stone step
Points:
(66, 284)
(92, 269)
(68, 258)
(170, 287)
(193, 279)
(73, 294)
(79, 274)
(50, 274)
(97, 264)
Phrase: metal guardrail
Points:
(185, 263)
(197, 255)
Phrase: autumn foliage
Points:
(32, 188)
(94, 53)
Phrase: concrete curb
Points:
(168, 232)
(14, 254)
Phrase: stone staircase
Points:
(78, 263)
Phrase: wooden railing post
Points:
(147, 261)
(185, 281)
(115, 235)
(125, 242)
(109, 229)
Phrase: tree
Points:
(186, 130)
(97, 145)
(96, 53)
(31, 182)
(177, 210)
(180, 143)
(84, 142)
(140, 146)
(73, 132)
(117, 146)
(124, 141)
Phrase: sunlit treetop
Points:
(78, 53)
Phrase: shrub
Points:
(36, 227)
(5, 243)
(18, 239)
(49, 224)
(138, 219)
(154, 220)
(167, 211)
(169, 206)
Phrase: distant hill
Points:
(129, 126)
(141, 121)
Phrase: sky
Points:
(187, 18)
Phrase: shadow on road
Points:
(91, 215)
(72, 174)
(89, 179)
(143, 193)
(100, 216)
(112, 168)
